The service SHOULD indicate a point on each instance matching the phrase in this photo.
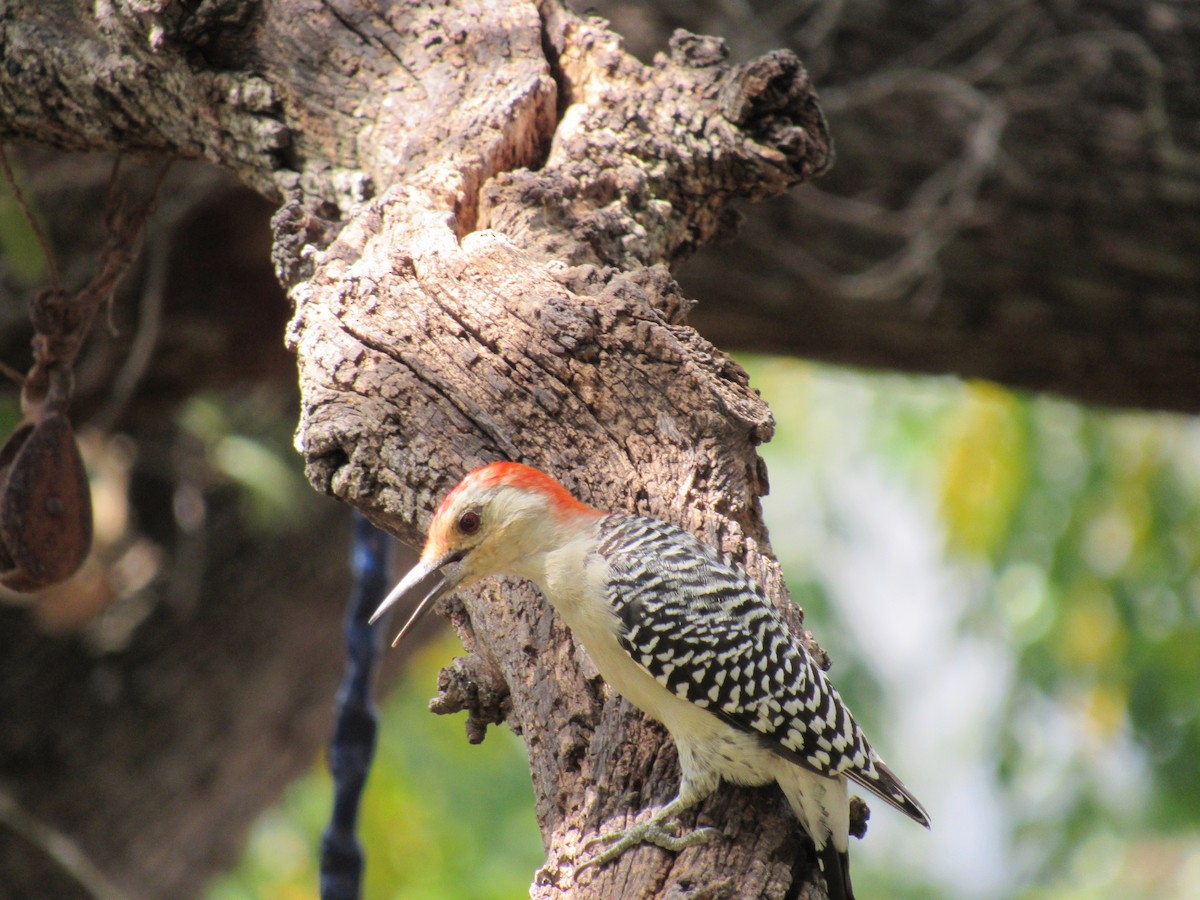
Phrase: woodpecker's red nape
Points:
(523, 477)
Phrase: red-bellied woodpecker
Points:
(681, 633)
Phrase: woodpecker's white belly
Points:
(706, 744)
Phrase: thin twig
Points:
(125, 230)
(12, 374)
(145, 338)
(936, 209)
(59, 847)
(51, 266)
(147, 212)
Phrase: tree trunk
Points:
(478, 311)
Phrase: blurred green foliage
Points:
(20, 253)
(1082, 529)
(1067, 565)
(244, 442)
(441, 819)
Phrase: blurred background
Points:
(1008, 582)
(1010, 589)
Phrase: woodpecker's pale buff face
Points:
(496, 521)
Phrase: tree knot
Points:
(772, 99)
(697, 50)
(472, 685)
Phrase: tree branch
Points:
(1015, 196)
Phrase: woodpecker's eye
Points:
(468, 522)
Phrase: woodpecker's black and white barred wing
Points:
(705, 631)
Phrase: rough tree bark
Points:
(480, 203)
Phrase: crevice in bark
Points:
(549, 13)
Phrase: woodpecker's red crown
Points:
(516, 475)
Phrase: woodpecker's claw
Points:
(649, 832)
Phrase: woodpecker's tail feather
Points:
(887, 787)
(835, 867)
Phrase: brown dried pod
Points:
(8, 453)
(45, 505)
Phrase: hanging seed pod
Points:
(7, 454)
(45, 505)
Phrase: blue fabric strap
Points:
(353, 742)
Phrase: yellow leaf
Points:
(984, 469)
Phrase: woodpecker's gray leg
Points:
(652, 831)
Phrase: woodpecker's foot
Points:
(648, 832)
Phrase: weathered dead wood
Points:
(539, 323)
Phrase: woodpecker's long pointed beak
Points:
(449, 581)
